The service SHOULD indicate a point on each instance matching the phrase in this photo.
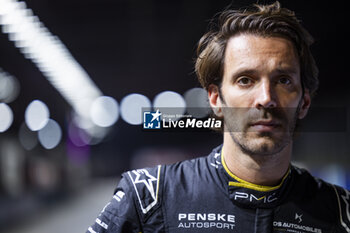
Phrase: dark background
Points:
(146, 47)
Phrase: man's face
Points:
(261, 93)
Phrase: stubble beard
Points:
(261, 143)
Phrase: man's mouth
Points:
(265, 125)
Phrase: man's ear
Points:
(214, 99)
(305, 104)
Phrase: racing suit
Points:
(202, 195)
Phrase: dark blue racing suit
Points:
(202, 195)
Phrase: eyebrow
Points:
(249, 71)
(288, 70)
(242, 71)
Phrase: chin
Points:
(264, 146)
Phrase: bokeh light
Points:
(27, 138)
(36, 115)
(50, 135)
(131, 108)
(197, 102)
(77, 135)
(171, 104)
(49, 54)
(6, 117)
(104, 111)
(9, 87)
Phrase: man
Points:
(260, 76)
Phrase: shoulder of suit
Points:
(312, 185)
(334, 197)
(145, 185)
(313, 182)
(343, 203)
(196, 165)
(148, 183)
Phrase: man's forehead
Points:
(247, 50)
(250, 43)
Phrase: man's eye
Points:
(245, 81)
(284, 80)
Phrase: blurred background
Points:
(74, 76)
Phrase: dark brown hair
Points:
(262, 20)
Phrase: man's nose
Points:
(265, 96)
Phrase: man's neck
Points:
(257, 169)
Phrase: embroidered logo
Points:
(142, 179)
(298, 217)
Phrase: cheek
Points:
(291, 100)
(237, 98)
(288, 97)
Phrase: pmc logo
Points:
(252, 198)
